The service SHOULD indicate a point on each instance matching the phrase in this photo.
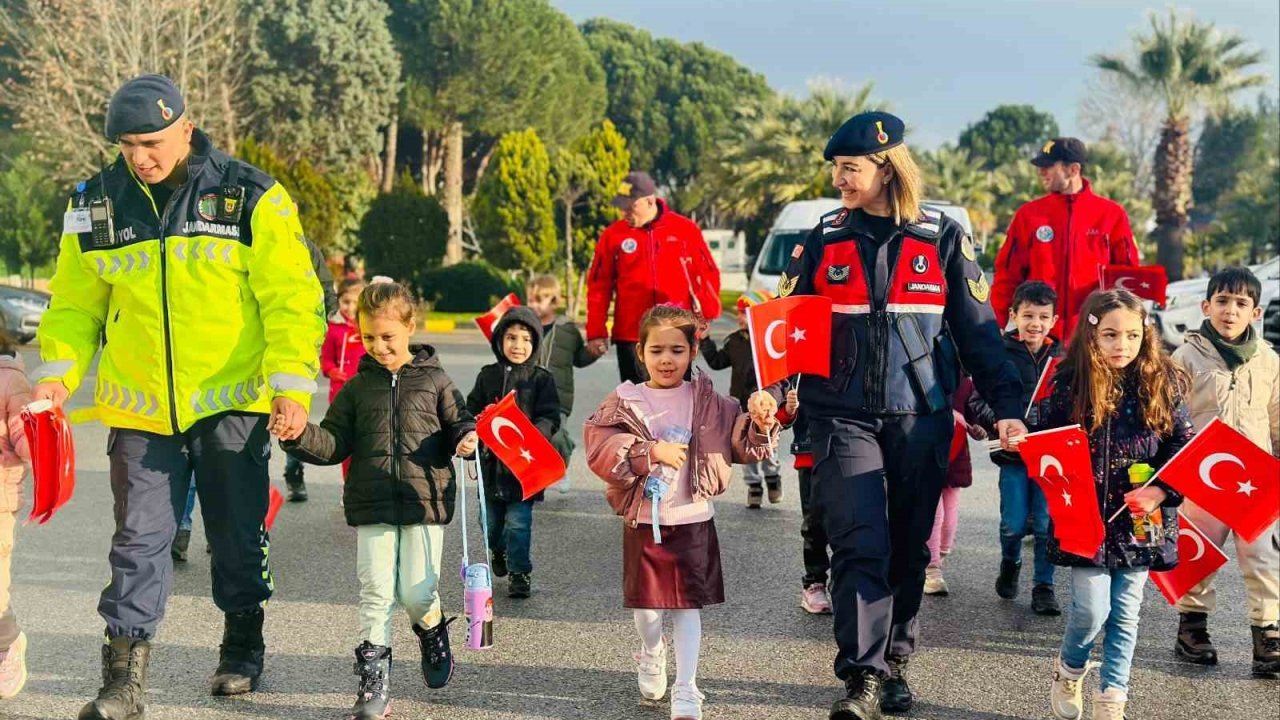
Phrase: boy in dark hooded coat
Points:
(515, 344)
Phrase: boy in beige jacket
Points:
(1235, 376)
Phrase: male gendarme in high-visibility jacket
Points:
(189, 269)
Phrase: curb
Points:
(439, 326)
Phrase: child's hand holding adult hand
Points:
(669, 453)
(467, 446)
(1144, 500)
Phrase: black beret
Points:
(864, 134)
(145, 104)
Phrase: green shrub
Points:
(466, 287)
(402, 235)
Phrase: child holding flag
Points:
(1031, 349)
(515, 342)
(399, 419)
(1235, 376)
(15, 456)
(736, 354)
(1117, 383)
(674, 564)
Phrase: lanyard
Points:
(462, 471)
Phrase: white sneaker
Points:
(815, 600)
(686, 702)
(934, 584)
(1066, 699)
(651, 672)
(1109, 705)
(562, 485)
(13, 668)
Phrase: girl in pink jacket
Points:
(671, 442)
(343, 347)
(14, 458)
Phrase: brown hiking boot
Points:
(1266, 650)
(1194, 644)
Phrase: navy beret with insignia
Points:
(145, 104)
(865, 134)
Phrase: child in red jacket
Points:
(343, 347)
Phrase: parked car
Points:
(792, 226)
(21, 310)
(1271, 322)
(1181, 311)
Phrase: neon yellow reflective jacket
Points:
(196, 313)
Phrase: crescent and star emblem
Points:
(1195, 539)
(1206, 469)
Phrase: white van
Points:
(793, 226)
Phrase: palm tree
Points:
(951, 175)
(1188, 66)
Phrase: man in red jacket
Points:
(1062, 238)
(649, 257)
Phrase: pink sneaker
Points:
(815, 600)
(13, 668)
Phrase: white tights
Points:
(686, 636)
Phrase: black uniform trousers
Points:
(150, 477)
(877, 480)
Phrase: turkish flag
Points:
(1145, 281)
(1058, 460)
(790, 335)
(486, 321)
(274, 501)
(1233, 479)
(959, 437)
(1044, 386)
(53, 458)
(1198, 558)
(520, 446)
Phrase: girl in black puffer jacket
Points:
(1119, 386)
(400, 420)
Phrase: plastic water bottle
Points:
(1148, 530)
(477, 606)
(662, 477)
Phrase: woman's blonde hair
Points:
(1098, 387)
(906, 187)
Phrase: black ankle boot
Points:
(520, 585)
(373, 699)
(437, 658)
(240, 657)
(1266, 649)
(294, 481)
(181, 541)
(124, 681)
(862, 698)
(1007, 581)
(1194, 644)
(895, 693)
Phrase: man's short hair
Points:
(1237, 279)
(1034, 292)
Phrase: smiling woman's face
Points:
(860, 181)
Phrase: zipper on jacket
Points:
(1066, 241)
(395, 446)
(163, 217)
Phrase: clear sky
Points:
(941, 64)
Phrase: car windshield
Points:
(777, 250)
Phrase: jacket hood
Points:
(12, 362)
(524, 316)
(424, 357)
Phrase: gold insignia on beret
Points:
(966, 248)
(882, 137)
(979, 288)
(786, 285)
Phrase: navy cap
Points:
(634, 186)
(1063, 149)
(864, 134)
(145, 104)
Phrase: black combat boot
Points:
(1194, 644)
(297, 486)
(181, 541)
(124, 681)
(437, 658)
(373, 699)
(1266, 650)
(895, 693)
(520, 585)
(862, 699)
(240, 656)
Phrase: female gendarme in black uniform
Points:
(910, 304)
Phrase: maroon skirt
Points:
(680, 574)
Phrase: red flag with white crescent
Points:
(1198, 558)
(516, 441)
(486, 321)
(1044, 387)
(1145, 281)
(53, 458)
(1229, 476)
(790, 335)
(1058, 460)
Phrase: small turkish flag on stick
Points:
(1198, 558)
(517, 442)
(1058, 460)
(486, 321)
(1145, 281)
(789, 336)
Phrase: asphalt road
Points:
(566, 652)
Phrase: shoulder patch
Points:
(979, 288)
(786, 285)
(966, 248)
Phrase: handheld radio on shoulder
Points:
(101, 223)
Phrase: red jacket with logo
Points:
(341, 352)
(1062, 240)
(638, 268)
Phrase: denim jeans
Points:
(1104, 599)
(511, 532)
(1021, 499)
(184, 522)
